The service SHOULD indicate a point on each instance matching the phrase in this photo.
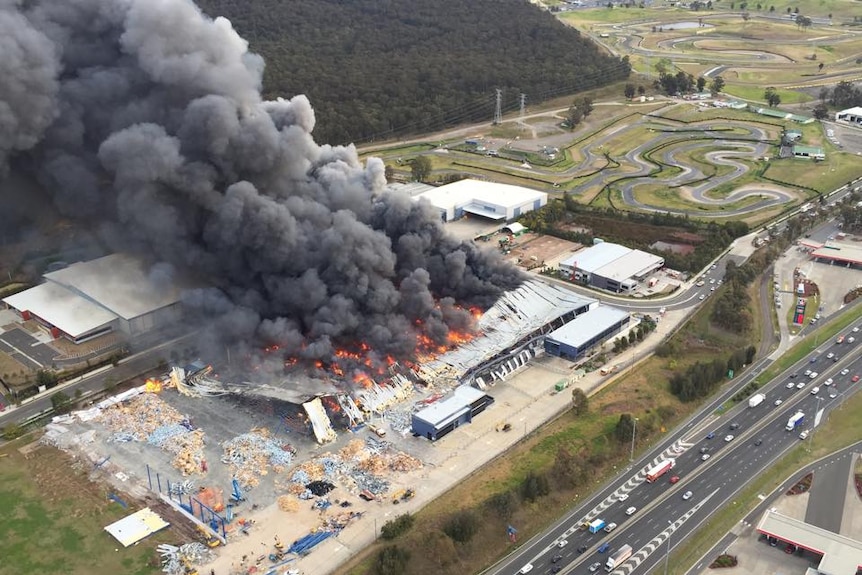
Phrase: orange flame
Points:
(152, 386)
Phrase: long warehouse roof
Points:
(118, 282)
(583, 328)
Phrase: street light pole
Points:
(634, 430)
(667, 554)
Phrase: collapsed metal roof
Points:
(516, 315)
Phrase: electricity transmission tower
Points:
(498, 111)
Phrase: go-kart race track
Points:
(656, 163)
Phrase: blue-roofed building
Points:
(586, 331)
(443, 417)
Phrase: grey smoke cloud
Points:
(146, 117)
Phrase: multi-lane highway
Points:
(740, 444)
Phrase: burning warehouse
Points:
(347, 390)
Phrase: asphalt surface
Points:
(128, 368)
(663, 518)
(826, 504)
(754, 516)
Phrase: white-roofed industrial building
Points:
(88, 299)
(610, 267)
(448, 414)
(489, 200)
(852, 116)
(585, 332)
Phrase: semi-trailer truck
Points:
(795, 421)
(659, 470)
(756, 400)
(618, 558)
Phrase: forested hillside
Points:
(378, 68)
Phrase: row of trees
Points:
(375, 69)
(644, 328)
(701, 379)
(635, 229)
(681, 83)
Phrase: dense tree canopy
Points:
(378, 68)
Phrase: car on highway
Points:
(832, 394)
(704, 457)
(686, 496)
(702, 297)
(704, 449)
(830, 355)
(604, 547)
(622, 497)
(631, 511)
(710, 435)
(610, 527)
(758, 441)
(839, 339)
(803, 435)
(778, 402)
(674, 479)
(854, 379)
(828, 382)
(790, 385)
(813, 374)
(582, 549)
(806, 373)
(813, 359)
(595, 567)
(556, 558)
(526, 568)
(734, 425)
(845, 371)
(800, 385)
(556, 568)
(562, 543)
(712, 288)
(815, 391)
(728, 438)
(855, 329)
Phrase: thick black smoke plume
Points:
(144, 118)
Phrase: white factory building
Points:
(490, 200)
(93, 298)
(610, 267)
(850, 115)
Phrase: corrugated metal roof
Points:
(61, 308)
(594, 257)
(445, 409)
(628, 265)
(119, 283)
(514, 316)
(586, 326)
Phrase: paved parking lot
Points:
(27, 349)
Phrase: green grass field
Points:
(52, 520)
